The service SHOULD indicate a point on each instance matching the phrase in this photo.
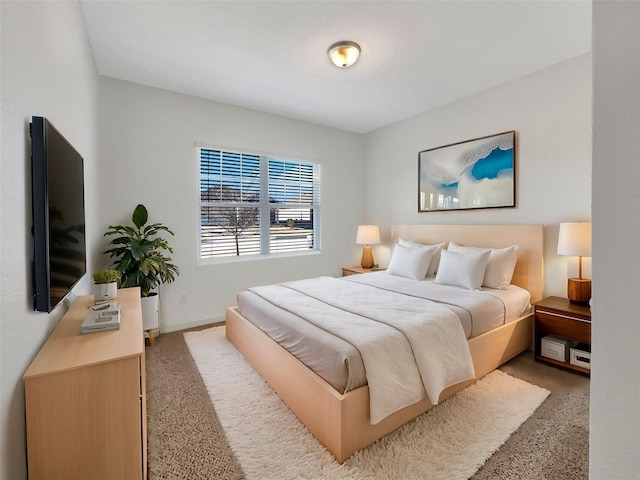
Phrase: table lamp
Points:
(367, 235)
(575, 239)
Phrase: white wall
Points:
(144, 139)
(551, 113)
(148, 155)
(47, 70)
(615, 385)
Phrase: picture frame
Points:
(472, 174)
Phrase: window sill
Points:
(252, 258)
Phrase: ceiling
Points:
(271, 56)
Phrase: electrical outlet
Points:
(183, 297)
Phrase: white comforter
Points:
(411, 347)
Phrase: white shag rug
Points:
(451, 441)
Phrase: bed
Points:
(342, 420)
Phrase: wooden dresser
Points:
(85, 399)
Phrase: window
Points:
(257, 205)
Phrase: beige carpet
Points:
(554, 442)
(186, 441)
(450, 442)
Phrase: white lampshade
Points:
(575, 239)
(368, 235)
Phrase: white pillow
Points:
(410, 262)
(435, 258)
(465, 271)
(500, 267)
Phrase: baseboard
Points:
(218, 319)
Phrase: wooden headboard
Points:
(529, 271)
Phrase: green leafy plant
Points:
(138, 253)
(106, 276)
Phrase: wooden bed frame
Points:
(341, 421)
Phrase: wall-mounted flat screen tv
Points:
(59, 250)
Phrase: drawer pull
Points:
(554, 314)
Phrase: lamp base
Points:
(367, 257)
(579, 290)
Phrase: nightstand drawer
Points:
(346, 271)
(357, 270)
(563, 325)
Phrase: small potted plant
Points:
(105, 284)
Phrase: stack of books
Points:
(102, 319)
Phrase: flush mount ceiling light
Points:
(344, 54)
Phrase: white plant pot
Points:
(105, 291)
(150, 312)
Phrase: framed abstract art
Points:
(477, 173)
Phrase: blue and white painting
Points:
(478, 173)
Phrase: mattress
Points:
(337, 361)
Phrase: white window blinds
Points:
(256, 205)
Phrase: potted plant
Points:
(139, 254)
(105, 284)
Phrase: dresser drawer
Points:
(563, 325)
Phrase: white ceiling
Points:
(271, 56)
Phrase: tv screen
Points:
(59, 251)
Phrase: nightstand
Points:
(557, 316)
(346, 271)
